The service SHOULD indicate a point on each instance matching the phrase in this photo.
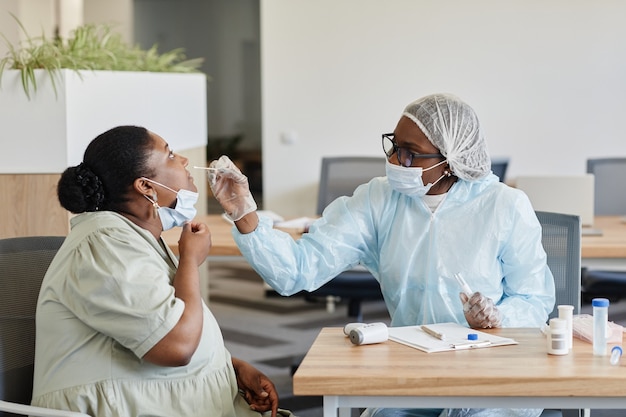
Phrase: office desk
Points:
(519, 376)
(222, 240)
(223, 245)
(609, 250)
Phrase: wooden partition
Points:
(31, 207)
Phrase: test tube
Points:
(616, 355)
(600, 325)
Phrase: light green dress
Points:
(106, 300)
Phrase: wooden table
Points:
(222, 240)
(223, 244)
(518, 376)
(608, 250)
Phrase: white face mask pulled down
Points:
(182, 212)
(409, 180)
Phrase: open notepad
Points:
(455, 337)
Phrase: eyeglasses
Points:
(405, 157)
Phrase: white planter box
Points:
(49, 132)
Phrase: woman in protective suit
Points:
(438, 212)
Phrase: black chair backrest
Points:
(608, 201)
(499, 167)
(341, 175)
(561, 241)
(23, 264)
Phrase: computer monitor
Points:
(568, 194)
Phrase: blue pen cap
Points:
(600, 302)
(472, 336)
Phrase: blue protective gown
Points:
(483, 229)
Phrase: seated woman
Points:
(122, 329)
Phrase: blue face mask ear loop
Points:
(154, 203)
(446, 173)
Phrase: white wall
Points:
(547, 78)
(37, 17)
(43, 17)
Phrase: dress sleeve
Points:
(120, 286)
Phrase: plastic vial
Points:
(600, 325)
(616, 355)
(566, 312)
(557, 337)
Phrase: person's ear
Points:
(145, 187)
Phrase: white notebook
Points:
(455, 338)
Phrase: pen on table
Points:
(432, 332)
(471, 345)
(464, 287)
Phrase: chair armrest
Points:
(29, 410)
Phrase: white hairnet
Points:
(453, 127)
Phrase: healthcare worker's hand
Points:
(230, 188)
(480, 311)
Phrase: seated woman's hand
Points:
(195, 241)
(256, 388)
(480, 311)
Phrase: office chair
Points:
(339, 177)
(23, 264)
(606, 171)
(560, 236)
(608, 201)
(499, 167)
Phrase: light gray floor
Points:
(274, 332)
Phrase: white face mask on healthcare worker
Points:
(182, 212)
(408, 180)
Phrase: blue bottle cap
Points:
(600, 302)
(472, 336)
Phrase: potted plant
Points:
(58, 94)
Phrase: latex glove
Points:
(230, 188)
(480, 311)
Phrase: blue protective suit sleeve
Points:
(333, 244)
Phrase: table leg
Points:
(331, 406)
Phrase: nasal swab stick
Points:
(464, 287)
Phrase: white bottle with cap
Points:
(557, 337)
